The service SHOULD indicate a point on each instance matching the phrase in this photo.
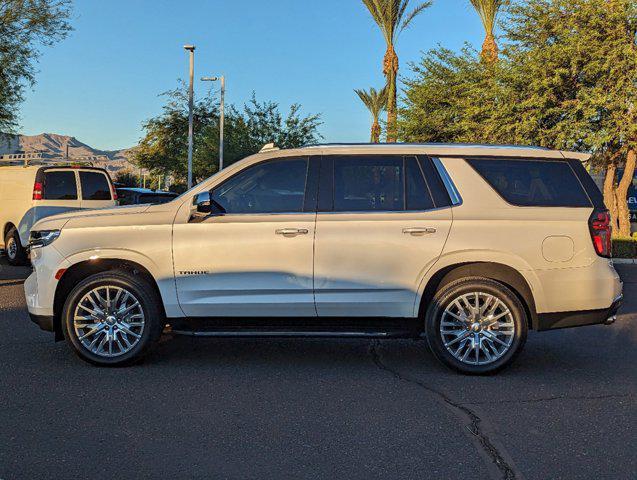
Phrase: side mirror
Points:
(202, 203)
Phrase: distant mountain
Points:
(56, 146)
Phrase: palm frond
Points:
(488, 11)
(391, 16)
(374, 100)
(413, 14)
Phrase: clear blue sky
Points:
(102, 82)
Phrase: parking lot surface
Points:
(316, 408)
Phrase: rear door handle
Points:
(419, 231)
(292, 231)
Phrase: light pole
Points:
(222, 112)
(191, 106)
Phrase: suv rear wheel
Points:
(16, 254)
(476, 326)
(112, 318)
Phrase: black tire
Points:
(16, 253)
(149, 303)
(454, 290)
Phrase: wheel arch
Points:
(499, 272)
(5, 229)
(83, 269)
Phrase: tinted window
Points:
(418, 196)
(60, 185)
(125, 197)
(271, 187)
(537, 183)
(379, 183)
(373, 183)
(95, 186)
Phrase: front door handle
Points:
(419, 231)
(292, 231)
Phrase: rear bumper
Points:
(552, 321)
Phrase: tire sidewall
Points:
(152, 317)
(20, 255)
(452, 291)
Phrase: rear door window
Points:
(533, 183)
(59, 185)
(95, 186)
(379, 183)
(369, 183)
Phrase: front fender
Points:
(164, 279)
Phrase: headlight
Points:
(42, 238)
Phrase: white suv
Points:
(468, 246)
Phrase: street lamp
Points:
(222, 79)
(191, 105)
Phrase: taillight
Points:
(37, 191)
(600, 228)
(113, 192)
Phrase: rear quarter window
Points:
(533, 183)
(95, 186)
(59, 185)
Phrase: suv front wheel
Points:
(112, 318)
(476, 326)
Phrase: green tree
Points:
(25, 27)
(574, 65)
(163, 149)
(566, 79)
(392, 18)
(488, 11)
(453, 97)
(376, 103)
(127, 178)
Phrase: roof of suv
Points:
(450, 149)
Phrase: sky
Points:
(102, 82)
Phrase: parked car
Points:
(32, 192)
(470, 246)
(137, 196)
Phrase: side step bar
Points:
(292, 334)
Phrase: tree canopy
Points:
(164, 148)
(566, 79)
(25, 27)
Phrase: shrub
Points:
(625, 247)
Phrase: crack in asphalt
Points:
(557, 397)
(508, 473)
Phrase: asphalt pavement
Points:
(316, 408)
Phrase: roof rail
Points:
(416, 144)
(25, 162)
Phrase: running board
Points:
(292, 334)
(297, 327)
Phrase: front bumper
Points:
(45, 322)
(552, 321)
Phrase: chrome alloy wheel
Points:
(477, 328)
(109, 321)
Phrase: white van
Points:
(32, 192)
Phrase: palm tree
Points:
(392, 18)
(376, 102)
(488, 11)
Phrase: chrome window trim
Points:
(453, 192)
